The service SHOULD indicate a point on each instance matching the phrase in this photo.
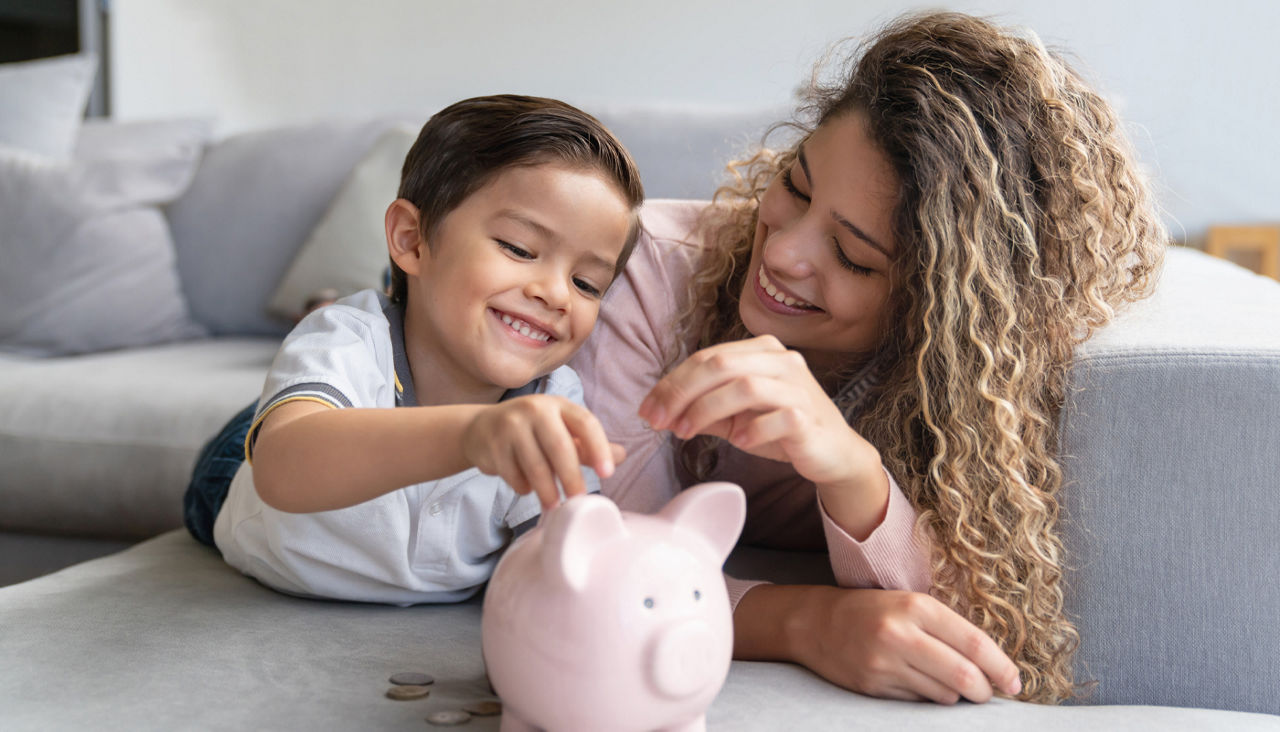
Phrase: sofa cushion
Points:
(167, 636)
(102, 445)
(347, 251)
(254, 201)
(43, 103)
(89, 260)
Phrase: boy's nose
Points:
(552, 290)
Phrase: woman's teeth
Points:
(525, 329)
(776, 294)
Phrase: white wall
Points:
(1197, 81)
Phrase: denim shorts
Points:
(211, 478)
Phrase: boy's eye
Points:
(586, 287)
(514, 250)
(790, 185)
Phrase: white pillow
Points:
(88, 257)
(347, 251)
(43, 103)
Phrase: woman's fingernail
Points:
(682, 429)
(658, 418)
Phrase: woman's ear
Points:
(404, 237)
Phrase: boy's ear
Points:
(404, 237)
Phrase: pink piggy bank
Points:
(603, 620)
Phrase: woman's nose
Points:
(792, 250)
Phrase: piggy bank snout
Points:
(685, 659)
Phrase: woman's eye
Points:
(514, 250)
(845, 262)
(790, 185)
(586, 287)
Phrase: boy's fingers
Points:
(558, 449)
(592, 444)
(536, 470)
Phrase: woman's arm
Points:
(900, 645)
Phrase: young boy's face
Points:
(509, 286)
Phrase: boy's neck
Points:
(436, 381)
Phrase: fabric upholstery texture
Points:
(167, 636)
(102, 445)
(1171, 502)
(252, 205)
(89, 260)
(43, 103)
(347, 251)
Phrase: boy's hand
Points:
(533, 441)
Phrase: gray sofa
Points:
(1171, 504)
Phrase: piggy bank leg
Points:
(512, 723)
(697, 724)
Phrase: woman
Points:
(881, 317)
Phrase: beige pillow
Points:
(347, 251)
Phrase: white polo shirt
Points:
(431, 542)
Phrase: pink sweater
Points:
(634, 342)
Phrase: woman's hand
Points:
(763, 399)
(884, 643)
(533, 441)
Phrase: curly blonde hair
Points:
(1022, 222)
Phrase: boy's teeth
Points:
(525, 329)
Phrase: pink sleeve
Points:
(630, 348)
(893, 557)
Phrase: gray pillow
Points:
(88, 258)
(254, 201)
(43, 102)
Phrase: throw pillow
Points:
(88, 257)
(347, 251)
(43, 103)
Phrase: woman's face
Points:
(818, 279)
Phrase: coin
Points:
(412, 678)
(405, 692)
(483, 708)
(448, 717)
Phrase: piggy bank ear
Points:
(574, 532)
(714, 510)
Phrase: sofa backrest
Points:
(1171, 499)
(257, 196)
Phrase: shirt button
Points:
(435, 509)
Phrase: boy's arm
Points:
(312, 457)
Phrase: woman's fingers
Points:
(711, 367)
(950, 672)
(921, 685)
(974, 646)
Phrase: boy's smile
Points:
(509, 284)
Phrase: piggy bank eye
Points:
(697, 595)
(648, 602)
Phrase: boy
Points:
(403, 440)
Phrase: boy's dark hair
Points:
(463, 146)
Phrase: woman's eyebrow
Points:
(846, 223)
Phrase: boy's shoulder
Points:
(361, 311)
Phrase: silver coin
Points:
(448, 717)
(483, 708)
(412, 678)
(405, 692)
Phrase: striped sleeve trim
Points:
(311, 392)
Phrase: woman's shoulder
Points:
(672, 219)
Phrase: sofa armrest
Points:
(1170, 437)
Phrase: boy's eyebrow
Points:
(846, 223)
(546, 233)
